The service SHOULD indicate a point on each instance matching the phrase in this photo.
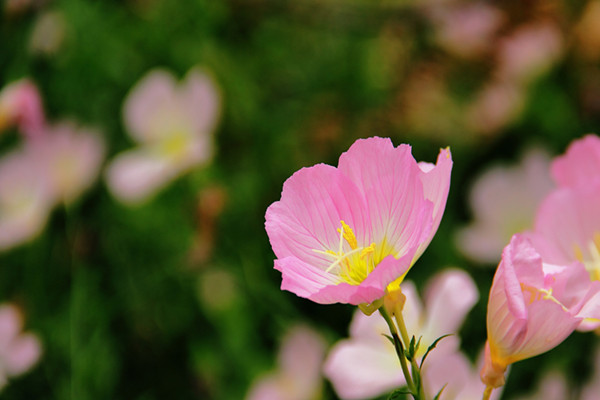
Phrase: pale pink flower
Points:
(298, 376)
(70, 157)
(26, 198)
(533, 306)
(504, 200)
(366, 364)
(19, 351)
(21, 105)
(343, 234)
(580, 165)
(173, 124)
(529, 52)
(498, 104)
(467, 30)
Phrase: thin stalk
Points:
(487, 392)
(399, 351)
(406, 340)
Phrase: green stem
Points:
(399, 352)
(406, 340)
(487, 392)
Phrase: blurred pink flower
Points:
(25, 198)
(19, 352)
(533, 306)
(298, 376)
(21, 105)
(504, 200)
(467, 30)
(173, 125)
(499, 103)
(343, 234)
(581, 163)
(529, 52)
(366, 365)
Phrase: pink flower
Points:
(533, 306)
(366, 364)
(552, 387)
(21, 105)
(26, 198)
(504, 200)
(343, 234)
(581, 163)
(18, 351)
(173, 125)
(298, 376)
(70, 157)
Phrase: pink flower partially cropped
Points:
(533, 306)
(18, 351)
(341, 235)
(21, 105)
(504, 200)
(366, 365)
(173, 124)
(298, 376)
(26, 198)
(581, 163)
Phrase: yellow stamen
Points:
(541, 294)
(348, 234)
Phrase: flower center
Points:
(591, 259)
(536, 294)
(351, 266)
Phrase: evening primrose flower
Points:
(580, 165)
(533, 306)
(173, 125)
(21, 106)
(366, 364)
(19, 351)
(342, 235)
(298, 376)
(504, 200)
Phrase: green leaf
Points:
(391, 339)
(399, 394)
(437, 396)
(432, 347)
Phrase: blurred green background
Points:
(177, 299)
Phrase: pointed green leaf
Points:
(432, 347)
(437, 396)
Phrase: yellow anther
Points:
(348, 234)
(367, 250)
(578, 252)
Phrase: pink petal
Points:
(436, 184)
(360, 370)
(202, 100)
(11, 323)
(23, 353)
(313, 202)
(449, 298)
(150, 105)
(580, 164)
(389, 178)
(300, 358)
(136, 175)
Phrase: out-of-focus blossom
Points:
(298, 376)
(173, 125)
(529, 52)
(344, 234)
(498, 104)
(19, 351)
(467, 30)
(366, 364)
(504, 200)
(587, 32)
(533, 306)
(21, 105)
(552, 387)
(48, 34)
(580, 166)
(26, 198)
